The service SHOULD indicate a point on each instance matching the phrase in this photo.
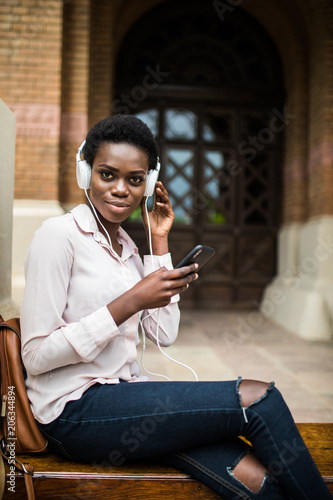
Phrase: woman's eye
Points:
(107, 175)
(137, 180)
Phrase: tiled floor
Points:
(223, 345)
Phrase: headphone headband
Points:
(83, 173)
(81, 148)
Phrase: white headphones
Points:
(83, 174)
(83, 177)
(83, 170)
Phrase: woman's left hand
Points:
(161, 217)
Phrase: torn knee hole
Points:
(250, 472)
(251, 391)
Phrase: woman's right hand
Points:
(152, 292)
(157, 289)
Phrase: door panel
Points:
(220, 167)
(208, 90)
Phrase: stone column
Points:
(301, 296)
(7, 168)
(31, 41)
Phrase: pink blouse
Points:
(69, 339)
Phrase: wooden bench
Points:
(56, 478)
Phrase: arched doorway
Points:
(212, 92)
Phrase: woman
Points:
(87, 292)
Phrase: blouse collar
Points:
(86, 221)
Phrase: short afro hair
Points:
(118, 129)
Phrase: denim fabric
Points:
(193, 426)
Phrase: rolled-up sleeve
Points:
(79, 342)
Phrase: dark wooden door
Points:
(224, 189)
(211, 90)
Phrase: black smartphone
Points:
(200, 254)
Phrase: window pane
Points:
(179, 182)
(150, 118)
(180, 124)
(216, 187)
(218, 127)
(214, 163)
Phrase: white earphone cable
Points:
(157, 320)
(143, 351)
(158, 310)
(149, 234)
(95, 213)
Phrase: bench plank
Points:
(319, 440)
(57, 478)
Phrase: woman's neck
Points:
(110, 227)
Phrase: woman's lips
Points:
(118, 206)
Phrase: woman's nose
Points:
(120, 188)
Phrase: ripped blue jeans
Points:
(192, 426)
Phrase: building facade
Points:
(239, 94)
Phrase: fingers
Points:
(183, 271)
(162, 210)
(161, 195)
(180, 279)
(161, 190)
(189, 277)
(158, 287)
(177, 278)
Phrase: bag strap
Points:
(26, 468)
(5, 324)
(2, 477)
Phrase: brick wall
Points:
(320, 166)
(301, 31)
(103, 22)
(86, 82)
(30, 59)
(61, 71)
(286, 25)
(74, 99)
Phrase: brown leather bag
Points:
(19, 432)
(17, 419)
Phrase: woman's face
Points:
(118, 180)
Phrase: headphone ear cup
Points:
(83, 174)
(152, 177)
(151, 181)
